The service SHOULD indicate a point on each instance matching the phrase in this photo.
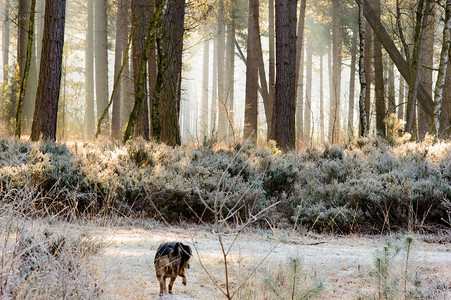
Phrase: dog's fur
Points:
(171, 259)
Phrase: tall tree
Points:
(89, 74)
(352, 85)
(321, 99)
(334, 115)
(121, 42)
(442, 92)
(154, 82)
(26, 70)
(5, 41)
(214, 88)
(251, 101)
(230, 73)
(101, 59)
(308, 92)
(368, 71)
(222, 101)
(299, 92)
(140, 20)
(170, 96)
(391, 99)
(363, 121)
(283, 124)
(272, 62)
(204, 98)
(45, 114)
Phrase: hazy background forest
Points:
(258, 132)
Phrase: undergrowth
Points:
(365, 186)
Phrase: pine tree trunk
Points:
(352, 87)
(89, 71)
(391, 99)
(5, 42)
(272, 64)
(251, 101)
(299, 93)
(363, 120)
(204, 99)
(222, 104)
(321, 99)
(121, 40)
(170, 94)
(427, 63)
(334, 115)
(230, 79)
(214, 88)
(140, 25)
(442, 92)
(368, 72)
(45, 115)
(283, 123)
(101, 60)
(40, 4)
(308, 95)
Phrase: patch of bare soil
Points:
(125, 266)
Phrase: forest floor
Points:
(345, 265)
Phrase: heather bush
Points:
(368, 185)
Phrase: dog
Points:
(171, 259)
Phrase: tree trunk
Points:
(204, 100)
(444, 75)
(379, 79)
(272, 65)
(334, 131)
(5, 42)
(427, 65)
(45, 114)
(89, 71)
(397, 58)
(308, 94)
(391, 99)
(121, 38)
(140, 25)
(445, 113)
(170, 94)
(39, 31)
(363, 120)
(368, 72)
(101, 60)
(251, 102)
(352, 87)
(283, 123)
(299, 91)
(321, 99)
(26, 70)
(222, 102)
(230, 79)
(214, 88)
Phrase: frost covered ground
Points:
(345, 265)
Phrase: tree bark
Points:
(170, 95)
(308, 93)
(272, 64)
(352, 86)
(140, 25)
(214, 88)
(101, 60)
(26, 70)
(89, 74)
(283, 124)
(230, 79)
(204, 99)
(321, 99)
(222, 101)
(334, 132)
(5, 42)
(363, 120)
(368, 72)
(251, 101)
(299, 91)
(121, 40)
(391, 99)
(444, 75)
(45, 114)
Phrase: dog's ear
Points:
(187, 251)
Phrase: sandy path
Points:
(125, 266)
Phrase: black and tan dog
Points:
(171, 260)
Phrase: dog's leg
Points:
(171, 283)
(162, 281)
